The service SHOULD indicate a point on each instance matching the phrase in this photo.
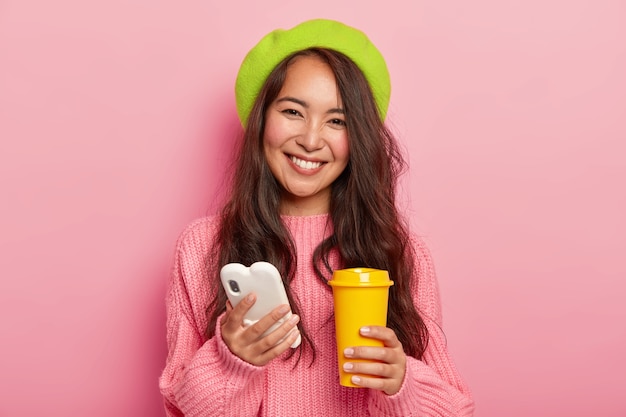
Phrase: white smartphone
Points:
(264, 280)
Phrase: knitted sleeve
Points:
(201, 377)
(432, 386)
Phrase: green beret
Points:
(322, 33)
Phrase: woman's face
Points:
(305, 138)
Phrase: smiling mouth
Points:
(300, 163)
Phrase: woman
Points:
(314, 191)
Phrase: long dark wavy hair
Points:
(368, 230)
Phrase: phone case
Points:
(264, 280)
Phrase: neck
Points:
(310, 206)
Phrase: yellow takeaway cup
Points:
(361, 296)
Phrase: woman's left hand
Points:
(389, 366)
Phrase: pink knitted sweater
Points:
(203, 378)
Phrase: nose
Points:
(311, 139)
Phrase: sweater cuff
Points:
(403, 403)
(239, 370)
(216, 379)
(423, 393)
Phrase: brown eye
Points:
(291, 112)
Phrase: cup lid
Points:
(361, 277)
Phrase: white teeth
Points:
(305, 164)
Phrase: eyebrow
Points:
(306, 105)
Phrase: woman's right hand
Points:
(247, 342)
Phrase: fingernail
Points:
(284, 309)
(356, 380)
(365, 330)
(250, 298)
(347, 366)
(348, 352)
(294, 319)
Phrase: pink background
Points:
(115, 118)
